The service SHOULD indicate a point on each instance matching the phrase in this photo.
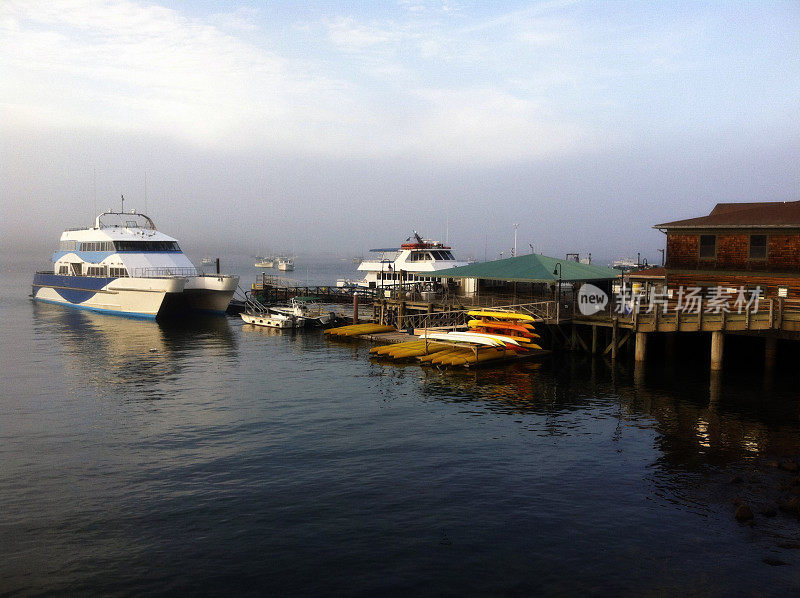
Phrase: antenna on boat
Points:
(122, 209)
(145, 192)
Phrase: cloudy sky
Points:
(339, 126)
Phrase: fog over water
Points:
(334, 129)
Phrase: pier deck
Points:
(772, 320)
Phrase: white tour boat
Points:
(123, 265)
(415, 260)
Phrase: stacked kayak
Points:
(490, 336)
(518, 327)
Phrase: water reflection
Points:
(105, 350)
(697, 417)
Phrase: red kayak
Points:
(519, 329)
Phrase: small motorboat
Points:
(307, 311)
(268, 319)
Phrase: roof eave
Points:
(663, 227)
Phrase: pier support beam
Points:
(717, 346)
(641, 346)
(594, 340)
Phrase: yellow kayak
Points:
(437, 355)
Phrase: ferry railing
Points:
(162, 272)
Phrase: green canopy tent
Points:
(531, 268)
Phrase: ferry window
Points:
(412, 257)
(758, 247)
(146, 246)
(448, 255)
(708, 246)
(428, 256)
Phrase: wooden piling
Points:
(614, 338)
(640, 350)
(717, 347)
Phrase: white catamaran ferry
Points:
(414, 260)
(123, 265)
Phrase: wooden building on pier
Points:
(737, 245)
(739, 251)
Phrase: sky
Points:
(334, 127)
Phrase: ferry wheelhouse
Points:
(413, 263)
(124, 265)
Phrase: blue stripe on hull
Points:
(128, 314)
(75, 289)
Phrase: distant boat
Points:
(207, 261)
(625, 264)
(265, 262)
(286, 264)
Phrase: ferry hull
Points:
(139, 297)
(203, 293)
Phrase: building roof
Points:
(768, 214)
(530, 268)
(654, 273)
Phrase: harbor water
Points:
(208, 457)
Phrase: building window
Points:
(758, 247)
(708, 247)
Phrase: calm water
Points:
(206, 457)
